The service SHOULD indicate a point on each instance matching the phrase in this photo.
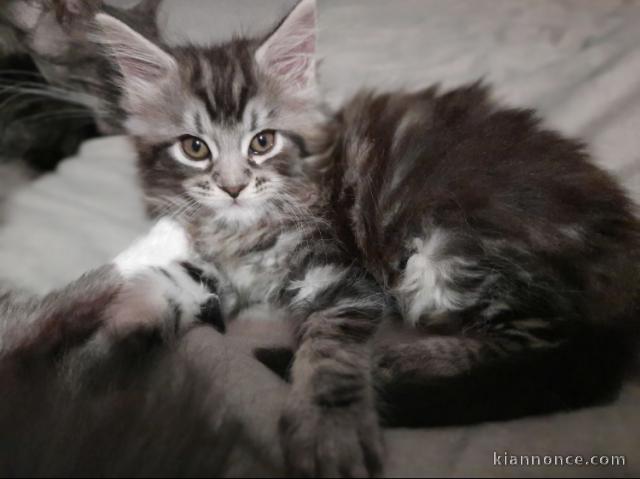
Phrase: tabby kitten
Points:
(514, 259)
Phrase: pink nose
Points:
(234, 191)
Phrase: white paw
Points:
(167, 298)
(166, 243)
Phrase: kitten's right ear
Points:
(143, 64)
(289, 52)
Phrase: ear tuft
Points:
(289, 52)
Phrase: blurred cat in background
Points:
(55, 90)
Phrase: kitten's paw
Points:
(161, 289)
(337, 441)
(168, 299)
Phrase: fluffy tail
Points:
(442, 381)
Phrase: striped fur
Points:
(275, 242)
(513, 257)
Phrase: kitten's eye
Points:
(262, 143)
(195, 148)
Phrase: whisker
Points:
(57, 115)
(68, 96)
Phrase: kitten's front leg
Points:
(330, 425)
(162, 287)
(147, 288)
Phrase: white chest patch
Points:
(256, 277)
(428, 283)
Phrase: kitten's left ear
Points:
(289, 52)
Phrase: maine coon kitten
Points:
(513, 257)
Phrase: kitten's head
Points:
(224, 132)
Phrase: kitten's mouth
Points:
(237, 205)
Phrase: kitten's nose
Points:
(234, 191)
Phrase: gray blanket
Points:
(577, 61)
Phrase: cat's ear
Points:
(144, 65)
(289, 52)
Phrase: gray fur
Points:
(443, 209)
(51, 71)
(274, 243)
(56, 36)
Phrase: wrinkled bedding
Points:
(576, 61)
